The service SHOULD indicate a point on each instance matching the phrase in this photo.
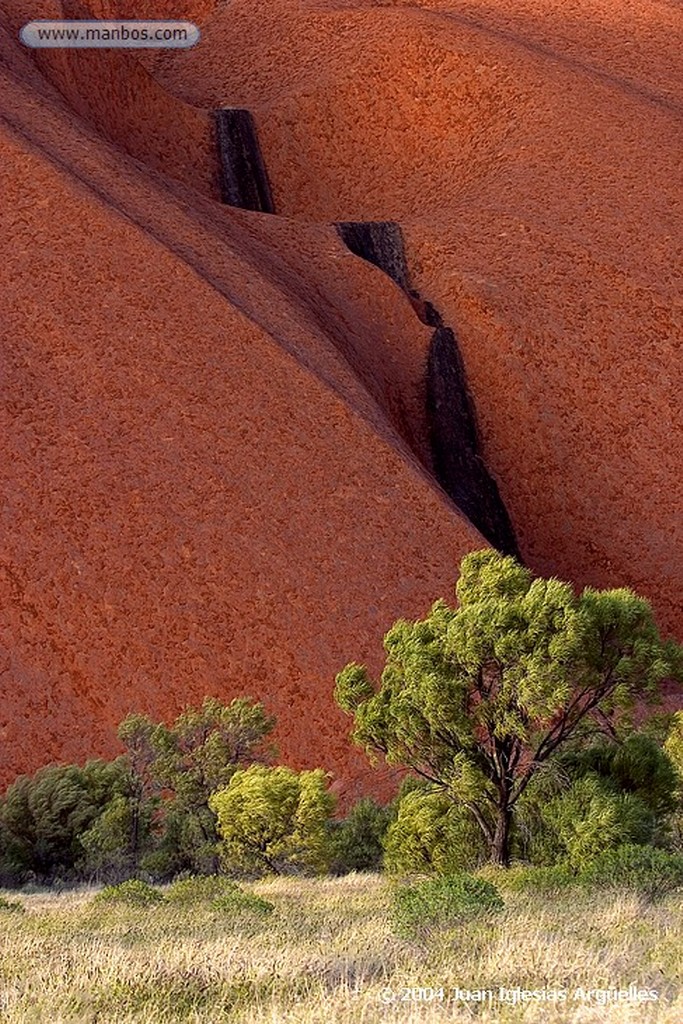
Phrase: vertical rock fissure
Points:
(243, 177)
(380, 243)
(451, 415)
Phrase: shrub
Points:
(356, 842)
(432, 835)
(43, 817)
(650, 872)
(237, 901)
(273, 819)
(443, 903)
(199, 888)
(531, 878)
(11, 906)
(132, 891)
(591, 818)
(220, 892)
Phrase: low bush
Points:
(651, 872)
(442, 903)
(356, 841)
(133, 891)
(237, 901)
(199, 889)
(530, 878)
(11, 906)
(432, 835)
(220, 892)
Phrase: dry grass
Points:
(327, 955)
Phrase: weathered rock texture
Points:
(216, 471)
(456, 449)
(531, 153)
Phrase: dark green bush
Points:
(356, 842)
(44, 817)
(442, 903)
(132, 891)
(220, 892)
(651, 872)
(530, 878)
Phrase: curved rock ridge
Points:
(117, 95)
(205, 489)
(455, 443)
(216, 471)
(531, 153)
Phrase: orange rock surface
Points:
(215, 466)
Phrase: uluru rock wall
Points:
(114, 92)
(531, 154)
(200, 493)
(217, 471)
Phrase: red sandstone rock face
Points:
(215, 463)
(200, 495)
(532, 153)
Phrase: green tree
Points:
(270, 818)
(477, 699)
(357, 840)
(44, 817)
(185, 763)
(673, 748)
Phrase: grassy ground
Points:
(329, 954)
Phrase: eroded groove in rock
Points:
(451, 415)
(380, 243)
(455, 445)
(243, 177)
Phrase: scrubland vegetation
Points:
(331, 950)
(536, 842)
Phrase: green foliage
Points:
(438, 903)
(133, 891)
(220, 892)
(638, 765)
(238, 902)
(199, 889)
(673, 748)
(44, 817)
(432, 834)
(477, 699)
(594, 797)
(116, 838)
(186, 762)
(11, 906)
(591, 818)
(356, 843)
(273, 818)
(530, 878)
(651, 872)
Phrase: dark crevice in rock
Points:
(243, 178)
(451, 415)
(458, 466)
(380, 243)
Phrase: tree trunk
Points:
(500, 844)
